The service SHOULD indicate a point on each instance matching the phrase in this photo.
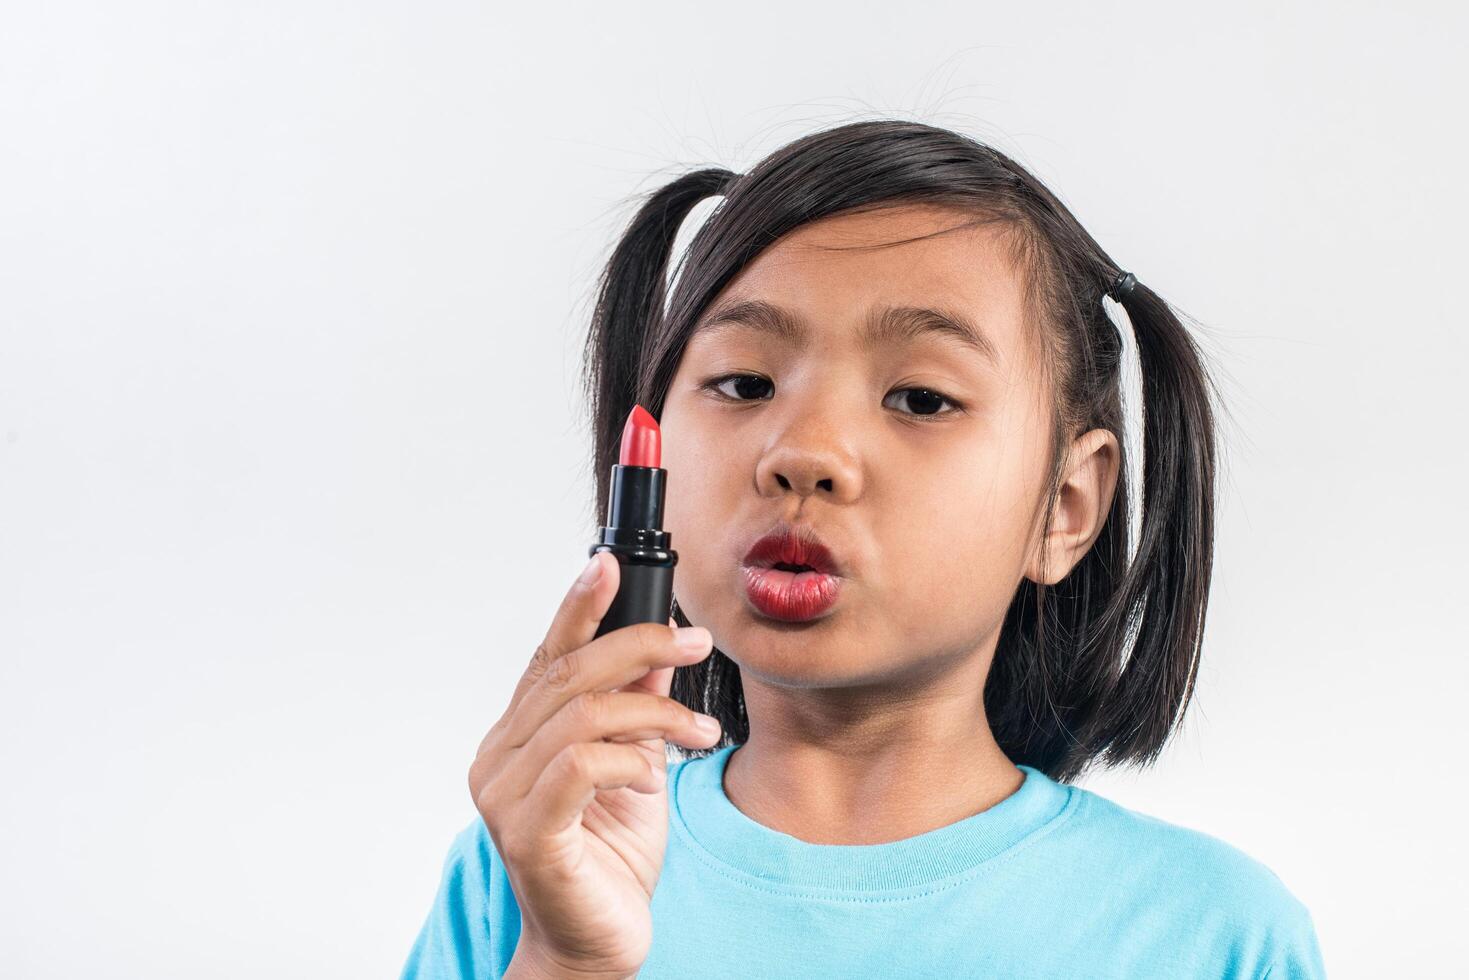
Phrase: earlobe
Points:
(1081, 506)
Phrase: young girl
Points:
(888, 385)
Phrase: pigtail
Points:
(629, 305)
(1166, 586)
(1065, 691)
(626, 321)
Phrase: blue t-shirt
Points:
(1053, 881)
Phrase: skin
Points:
(876, 707)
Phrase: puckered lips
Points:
(790, 575)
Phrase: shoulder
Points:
(473, 878)
(1189, 854)
(466, 932)
(473, 862)
(1216, 887)
(476, 871)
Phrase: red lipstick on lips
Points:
(790, 575)
(634, 529)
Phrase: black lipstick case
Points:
(641, 546)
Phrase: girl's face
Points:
(927, 498)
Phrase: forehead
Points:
(834, 273)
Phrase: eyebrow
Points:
(884, 327)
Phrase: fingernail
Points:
(692, 637)
(592, 572)
(706, 723)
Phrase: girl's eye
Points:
(746, 385)
(925, 401)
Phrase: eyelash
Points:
(713, 384)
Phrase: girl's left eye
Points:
(925, 398)
(928, 397)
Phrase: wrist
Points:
(531, 962)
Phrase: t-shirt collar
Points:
(701, 811)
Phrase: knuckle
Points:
(495, 733)
(561, 673)
(489, 814)
(541, 660)
(575, 760)
(591, 707)
(508, 845)
(477, 776)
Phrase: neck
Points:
(868, 765)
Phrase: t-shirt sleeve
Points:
(1298, 951)
(454, 942)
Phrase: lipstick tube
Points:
(635, 532)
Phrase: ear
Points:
(1080, 511)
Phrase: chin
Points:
(784, 652)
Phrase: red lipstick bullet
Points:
(634, 532)
(642, 440)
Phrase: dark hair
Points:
(1098, 667)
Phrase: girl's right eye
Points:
(746, 386)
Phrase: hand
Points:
(571, 781)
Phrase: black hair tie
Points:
(1122, 285)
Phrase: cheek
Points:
(696, 514)
(693, 495)
(954, 553)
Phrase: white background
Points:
(293, 463)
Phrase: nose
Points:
(811, 456)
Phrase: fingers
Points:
(657, 681)
(571, 780)
(613, 716)
(576, 619)
(591, 712)
(612, 660)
